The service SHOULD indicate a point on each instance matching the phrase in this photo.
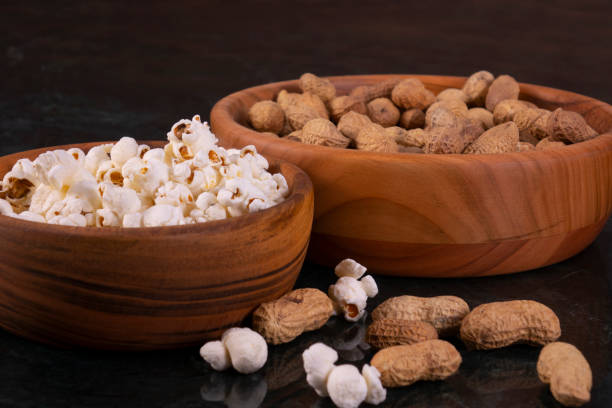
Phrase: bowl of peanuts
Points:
(439, 176)
(150, 245)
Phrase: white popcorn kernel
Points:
(123, 150)
(346, 387)
(256, 204)
(77, 154)
(205, 200)
(181, 152)
(95, 156)
(247, 349)
(142, 150)
(133, 220)
(44, 198)
(216, 212)
(282, 187)
(91, 219)
(145, 176)
(86, 190)
(376, 392)
(215, 354)
(349, 267)
(6, 208)
(214, 156)
(162, 215)
(174, 194)
(155, 154)
(68, 206)
(28, 216)
(181, 172)
(71, 220)
(211, 177)
(319, 360)
(118, 199)
(350, 296)
(23, 169)
(369, 285)
(106, 218)
(104, 167)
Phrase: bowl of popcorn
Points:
(436, 176)
(145, 246)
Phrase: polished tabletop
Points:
(95, 70)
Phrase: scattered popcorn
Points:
(190, 180)
(346, 387)
(349, 294)
(242, 348)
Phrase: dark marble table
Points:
(97, 70)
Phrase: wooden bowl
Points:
(445, 215)
(149, 288)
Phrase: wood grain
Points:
(445, 215)
(149, 288)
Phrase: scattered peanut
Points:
(566, 370)
(429, 360)
(394, 332)
(445, 313)
(284, 319)
(500, 324)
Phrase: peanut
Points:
(382, 89)
(531, 124)
(476, 87)
(351, 124)
(267, 116)
(506, 110)
(566, 370)
(440, 116)
(373, 138)
(548, 144)
(503, 87)
(341, 105)
(482, 115)
(284, 319)
(411, 93)
(323, 133)
(429, 360)
(393, 332)
(321, 87)
(383, 112)
(452, 94)
(499, 139)
(407, 138)
(500, 324)
(445, 140)
(442, 312)
(525, 147)
(312, 100)
(412, 118)
(456, 106)
(569, 127)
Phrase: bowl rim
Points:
(299, 191)
(223, 112)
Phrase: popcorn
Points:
(162, 215)
(349, 294)
(190, 180)
(123, 150)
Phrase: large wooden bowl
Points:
(149, 288)
(445, 215)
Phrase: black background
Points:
(94, 70)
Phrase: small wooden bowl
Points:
(445, 215)
(149, 288)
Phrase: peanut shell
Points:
(476, 87)
(412, 119)
(483, 116)
(503, 87)
(500, 324)
(499, 139)
(569, 127)
(408, 138)
(383, 112)
(411, 93)
(393, 332)
(429, 360)
(442, 312)
(351, 123)
(321, 87)
(341, 105)
(548, 144)
(382, 89)
(322, 132)
(373, 138)
(267, 116)
(566, 370)
(452, 94)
